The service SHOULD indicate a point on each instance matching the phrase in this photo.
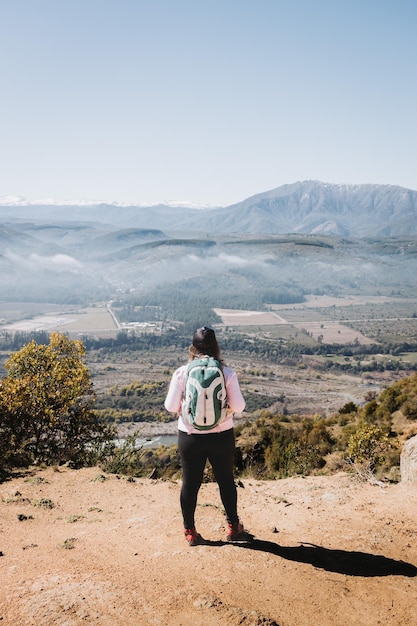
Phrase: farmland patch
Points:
(313, 301)
(322, 331)
(92, 319)
(333, 332)
(235, 317)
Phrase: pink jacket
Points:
(174, 397)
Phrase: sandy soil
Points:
(327, 550)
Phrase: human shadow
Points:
(351, 563)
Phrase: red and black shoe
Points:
(236, 532)
(192, 537)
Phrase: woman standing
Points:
(217, 444)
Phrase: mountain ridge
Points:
(307, 207)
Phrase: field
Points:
(325, 319)
(75, 321)
(326, 332)
(360, 320)
(234, 317)
(16, 311)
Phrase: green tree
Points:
(46, 405)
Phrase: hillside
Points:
(309, 207)
(110, 552)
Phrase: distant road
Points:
(116, 321)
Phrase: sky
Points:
(204, 102)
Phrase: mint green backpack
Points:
(205, 403)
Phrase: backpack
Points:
(204, 404)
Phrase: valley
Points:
(311, 318)
(313, 369)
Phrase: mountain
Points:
(317, 208)
(308, 207)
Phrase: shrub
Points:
(46, 405)
(367, 445)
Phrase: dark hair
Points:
(205, 342)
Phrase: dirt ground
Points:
(79, 547)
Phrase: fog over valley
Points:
(83, 254)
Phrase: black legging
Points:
(219, 449)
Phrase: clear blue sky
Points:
(204, 101)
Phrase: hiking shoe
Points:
(192, 537)
(236, 532)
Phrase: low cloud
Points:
(233, 260)
(57, 261)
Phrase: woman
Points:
(217, 445)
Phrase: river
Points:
(148, 435)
